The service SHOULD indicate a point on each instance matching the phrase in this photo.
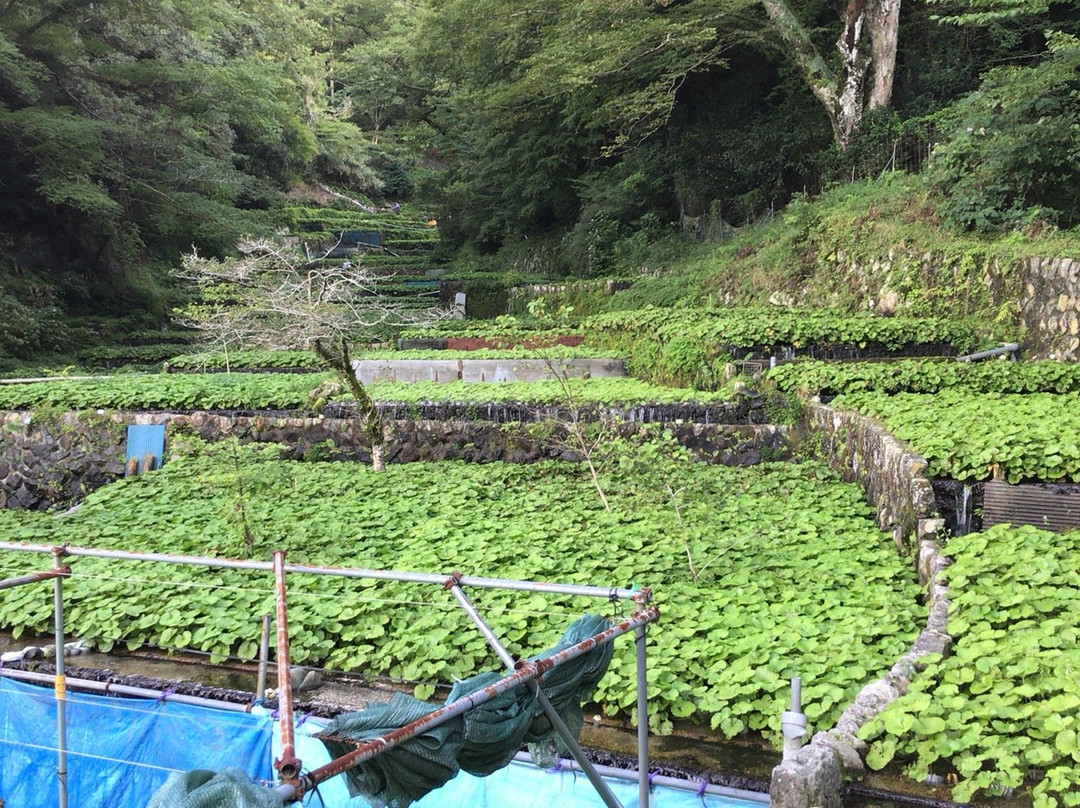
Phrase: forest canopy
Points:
(132, 132)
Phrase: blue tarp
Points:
(520, 785)
(120, 751)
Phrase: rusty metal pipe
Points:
(607, 593)
(288, 766)
(34, 577)
(526, 671)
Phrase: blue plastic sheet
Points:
(519, 785)
(120, 751)
(522, 785)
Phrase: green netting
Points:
(481, 741)
(230, 788)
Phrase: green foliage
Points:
(609, 392)
(289, 391)
(921, 376)
(982, 12)
(1012, 155)
(729, 639)
(1005, 703)
(246, 360)
(692, 348)
(246, 391)
(344, 156)
(964, 435)
(621, 206)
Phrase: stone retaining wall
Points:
(1041, 293)
(58, 460)
(892, 477)
(1050, 308)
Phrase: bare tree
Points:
(273, 297)
(338, 358)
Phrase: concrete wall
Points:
(58, 460)
(484, 370)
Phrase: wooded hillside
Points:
(588, 131)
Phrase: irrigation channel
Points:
(617, 751)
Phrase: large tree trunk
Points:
(816, 72)
(844, 94)
(850, 106)
(884, 23)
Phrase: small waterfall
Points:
(963, 512)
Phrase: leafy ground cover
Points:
(925, 376)
(499, 327)
(691, 347)
(308, 360)
(761, 573)
(1003, 709)
(161, 391)
(630, 392)
(210, 361)
(290, 391)
(965, 435)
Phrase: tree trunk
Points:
(884, 24)
(849, 107)
(816, 72)
(844, 94)
(377, 461)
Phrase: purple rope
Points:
(165, 694)
(558, 767)
(303, 718)
(652, 776)
(701, 791)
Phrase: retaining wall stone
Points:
(864, 452)
(58, 460)
(893, 479)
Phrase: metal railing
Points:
(293, 786)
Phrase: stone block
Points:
(812, 778)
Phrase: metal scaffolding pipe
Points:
(525, 672)
(60, 683)
(611, 593)
(606, 795)
(112, 688)
(288, 766)
(35, 577)
(1006, 348)
(642, 718)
